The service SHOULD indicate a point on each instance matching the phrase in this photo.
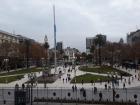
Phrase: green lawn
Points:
(23, 71)
(104, 70)
(10, 78)
(87, 78)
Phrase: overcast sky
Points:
(75, 19)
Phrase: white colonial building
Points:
(70, 52)
(8, 37)
(12, 38)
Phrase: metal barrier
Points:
(73, 95)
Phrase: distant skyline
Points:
(75, 19)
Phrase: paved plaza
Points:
(66, 84)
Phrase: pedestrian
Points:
(23, 86)
(84, 93)
(82, 89)
(135, 76)
(108, 81)
(100, 96)
(132, 78)
(105, 86)
(63, 80)
(123, 85)
(95, 90)
(82, 82)
(114, 94)
(129, 82)
(66, 80)
(73, 88)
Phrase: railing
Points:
(62, 94)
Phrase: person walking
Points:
(63, 80)
(73, 88)
(82, 82)
(123, 85)
(105, 86)
(129, 82)
(66, 80)
(95, 90)
(100, 96)
(84, 93)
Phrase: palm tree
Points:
(99, 42)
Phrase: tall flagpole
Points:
(55, 59)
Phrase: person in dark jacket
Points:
(100, 96)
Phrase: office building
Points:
(133, 37)
(89, 44)
(59, 46)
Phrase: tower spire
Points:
(46, 39)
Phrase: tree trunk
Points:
(100, 58)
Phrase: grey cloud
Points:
(75, 19)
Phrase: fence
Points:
(74, 95)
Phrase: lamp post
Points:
(42, 61)
(32, 80)
(113, 88)
(75, 75)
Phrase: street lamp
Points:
(32, 80)
(75, 75)
(113, 88)
(42, 61)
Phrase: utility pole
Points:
(55, 59)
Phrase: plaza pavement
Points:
(59, 82)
